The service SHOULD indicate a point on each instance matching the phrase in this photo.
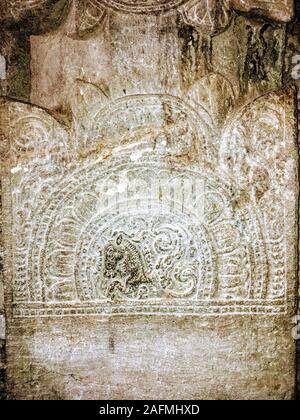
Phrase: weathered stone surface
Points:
(209, 16)
(280, 10)
(216, 254)
(149, 199)
(15, 50)
(32, 16)
(3, 394)
(292, 68)
(152, 357)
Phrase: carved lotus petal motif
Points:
(280, 10)
(35, 15)
(86, 99)
(89, 16)
(209, 16)
(215, 94)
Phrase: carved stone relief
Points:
(280, 10)
(103, 232)
(154, 171)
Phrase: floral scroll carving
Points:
(278, 10)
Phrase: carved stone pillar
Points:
(150, 199)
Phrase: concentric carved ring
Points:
(142, 6)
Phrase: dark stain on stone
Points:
(263, 53)
(195, 54)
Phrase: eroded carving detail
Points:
(158, 119)
(280, 10)
(29, 132)
(35, 16)
(137, 228)
(209, 16)
(215, 95)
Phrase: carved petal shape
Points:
(35, 16)
(215, 94)
(209, 16)
(89, 16)
(259, 152)
(142, 6)
(86, 102)
(261, 139)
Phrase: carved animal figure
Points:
(123, 264)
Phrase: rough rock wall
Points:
(149, 191)
(293, 68)
(2, 317)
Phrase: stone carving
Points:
(134, 227)
(90, 14)
(35, 16)
(87, 99)
(169, 190)
(213, 16)
(161, 118)
(140, 6)
(209, 16)
(29, 133)
(215, 95)
(269, 173)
